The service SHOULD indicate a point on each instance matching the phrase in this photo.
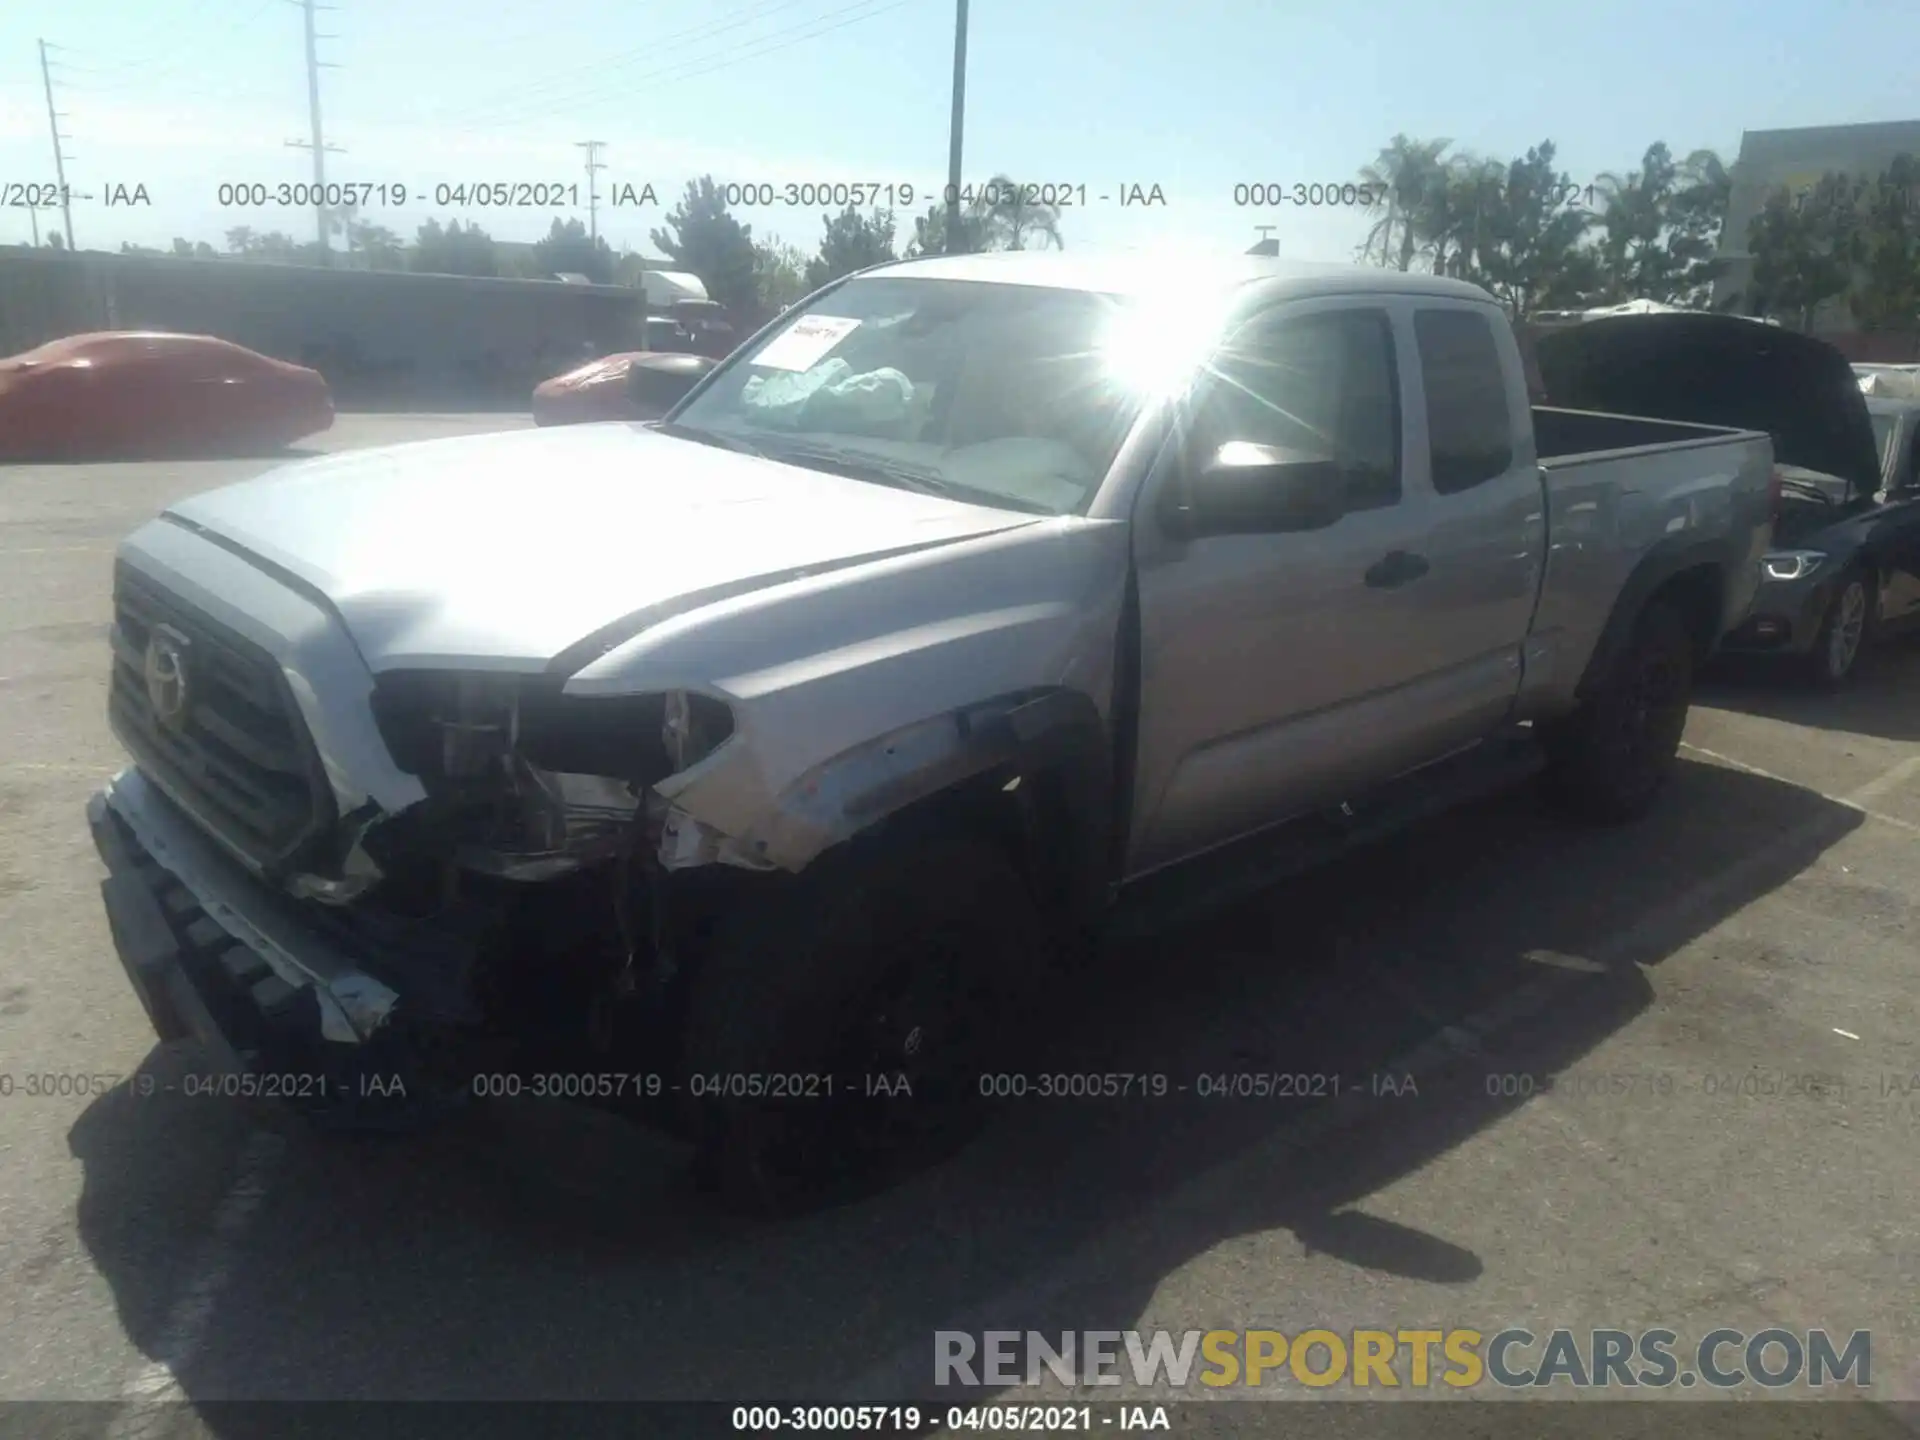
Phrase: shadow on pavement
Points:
(1883, 700)
(533, 1252)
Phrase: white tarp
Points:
(665, 288)
(1890, 384)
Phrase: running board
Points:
(1193, 888)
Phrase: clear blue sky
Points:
(180, 95)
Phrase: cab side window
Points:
(1469, 424)
(1322, 385)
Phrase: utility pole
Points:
(593, 149)
(957, 125)
(59, 155)
(317, 144)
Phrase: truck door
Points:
(1269, 662)
(1471, 468)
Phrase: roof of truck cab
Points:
(1133, 274)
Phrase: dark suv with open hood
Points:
(1845, 561)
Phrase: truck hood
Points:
(1720, 370)
(512, 551)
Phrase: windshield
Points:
(998, 395)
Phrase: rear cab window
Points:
(1469, 419)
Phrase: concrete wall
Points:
(1795, 160)
(381, 338)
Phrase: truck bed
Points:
(1571, 437)
(1618, 487)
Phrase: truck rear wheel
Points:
(1609, 760)
(838, 1032)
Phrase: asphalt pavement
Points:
(1611, 1122)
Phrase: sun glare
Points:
(1155, 349)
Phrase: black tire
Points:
(1847, 632)
(882, 960)
(1610, 759)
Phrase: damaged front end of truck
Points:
(524, 914)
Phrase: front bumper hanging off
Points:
(214, 955)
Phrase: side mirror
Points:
(656, 383)
(1247, 489)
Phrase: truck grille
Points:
(231, 748)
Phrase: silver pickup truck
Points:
(746, 770)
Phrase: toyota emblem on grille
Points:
(167, 674)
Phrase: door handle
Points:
(1396, 568)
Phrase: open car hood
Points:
(1720, 370)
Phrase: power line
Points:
(188, 56)
(165, 28)
(707, 64)
(516, 96)
(59, 152)
(593, 148)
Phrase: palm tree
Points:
(1401, 179)
(1456, 215)
(1009, 218)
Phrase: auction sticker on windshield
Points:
(806, 342)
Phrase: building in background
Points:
(1794, 160)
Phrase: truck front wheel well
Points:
(1028, 813)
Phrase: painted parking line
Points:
(1860, 801)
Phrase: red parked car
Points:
(142, 394)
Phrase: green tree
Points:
(192, 250)
(455, 250)
(1805, 250)
(702, 236)
(1406, 179)
(1887, 296)
(930, 232)
(1518, 234)
(852, 242)
(1699, 215)
(779, 274)
(1634, 212)
(1660, 226)
(1451, 218)
(377, 247)
(569, 250)
(1010, 220)
(275, 246)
